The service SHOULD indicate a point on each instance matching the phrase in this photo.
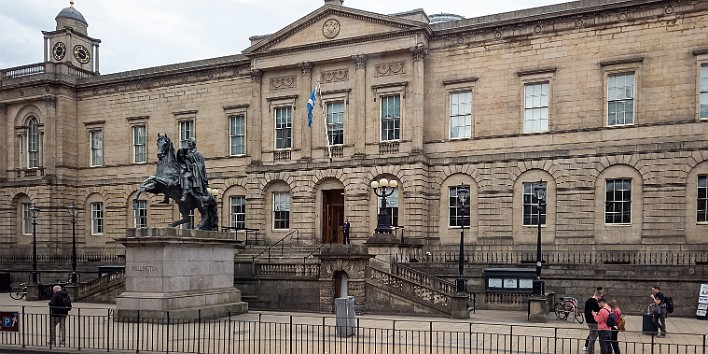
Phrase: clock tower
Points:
(70, 43)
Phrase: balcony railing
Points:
(281, 155)
(22, 71)
(388, 147)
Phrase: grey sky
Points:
(143, 33)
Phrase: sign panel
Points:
(702, 307)
(10, 321)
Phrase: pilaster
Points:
(305, 130)
(255, 135)
(418, 102)
(357, 109)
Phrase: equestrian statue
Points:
(181, 176)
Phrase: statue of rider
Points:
(192, 172)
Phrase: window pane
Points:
(390, 118)
(459, 214)
(460, 115)
(33, 143)
(618, 201)
(620, 99)
(536, 108)
(26, 219)
(531, 208)
(281, 210)
(702, 201)
(186, 131)
(237, 128)
(238, 211)
(283, 127)
(335, 123)
(96, 218)
(141, 214)
(96, 148)
(139, 144)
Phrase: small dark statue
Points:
(182, 177)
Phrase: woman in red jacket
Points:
(615, 329)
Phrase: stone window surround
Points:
(235, 110)
(279, 102)
(91, 127)
(631, 65)
(22, 134)
(391, 89)
(337, 96)
(185, 116)
(701, 63)
(136, 122)
(458, 85)
(632, 232)
(231, 191)
(533, 77)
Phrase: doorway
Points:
(333, 216)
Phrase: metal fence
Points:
(287, 334)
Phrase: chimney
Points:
(334, 2)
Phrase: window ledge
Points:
(617, 225)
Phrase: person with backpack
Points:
(59, 307)
(591, 306)
(659, 311)
(617, 328)
(605, 319)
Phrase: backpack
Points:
(611, 319)
(669, 304)
(66, 303)
(621, 324)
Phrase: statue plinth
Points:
(188, 273)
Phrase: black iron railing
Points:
(288, 334)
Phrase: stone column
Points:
(305, 131)
(418, 102)
(357, 107)
(95, 56)
(255, 132)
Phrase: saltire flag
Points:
(311, 104)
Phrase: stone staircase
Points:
(103, 289)
(412, 288)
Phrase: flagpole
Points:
(326, 125)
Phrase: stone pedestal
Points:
(538, 309)
(188, 273)
(459, 304)
(337, 259)
(33, 292)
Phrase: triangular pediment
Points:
(334, 25)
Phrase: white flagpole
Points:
(324, 119)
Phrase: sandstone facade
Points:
(362, 60)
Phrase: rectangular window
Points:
(283, 127)
(531, 207)
(97, 148)
(335, 123)
(96, 218)
(186, 131)
(139, 144)
(390, 118)
(33, 144)
(238, 211)
(702, 199)
(281, 211)
(461, 115)
(237, 135)
(536, 108)
(620, 99)
(459, 214)
(391, 207)
(141, 214)
(26, 219)
(704, 92)
(618, 201)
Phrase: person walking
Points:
(59, 307)
(604, 331)
(615, 329)
(659, 310)
(591, 305)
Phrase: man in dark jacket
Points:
(59, 307)
(591, 305)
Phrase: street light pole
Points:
(540, 191)
(74, 276)
(383, 188)
(34, 212)
(462, 198)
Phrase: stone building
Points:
(605, 101)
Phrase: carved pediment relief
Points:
(334, 25)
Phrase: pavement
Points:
(501, 324)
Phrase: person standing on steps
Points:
(591, 305)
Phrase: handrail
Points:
(304, 259)
(95, 285)
(281, 242)
(431, 281)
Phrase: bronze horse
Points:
(167, 181)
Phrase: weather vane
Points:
(71, 2)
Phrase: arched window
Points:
(33, 143)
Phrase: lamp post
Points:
(74, 211)
(383, 188)
(540, 192)
(34, 213)
(463, 195)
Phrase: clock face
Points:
(58, 51)
(82, 54)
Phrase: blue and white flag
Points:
(311, 104)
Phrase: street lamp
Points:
(74, 211)
(383, 188)
(34, 212)
(463, 195)
(539, 190)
